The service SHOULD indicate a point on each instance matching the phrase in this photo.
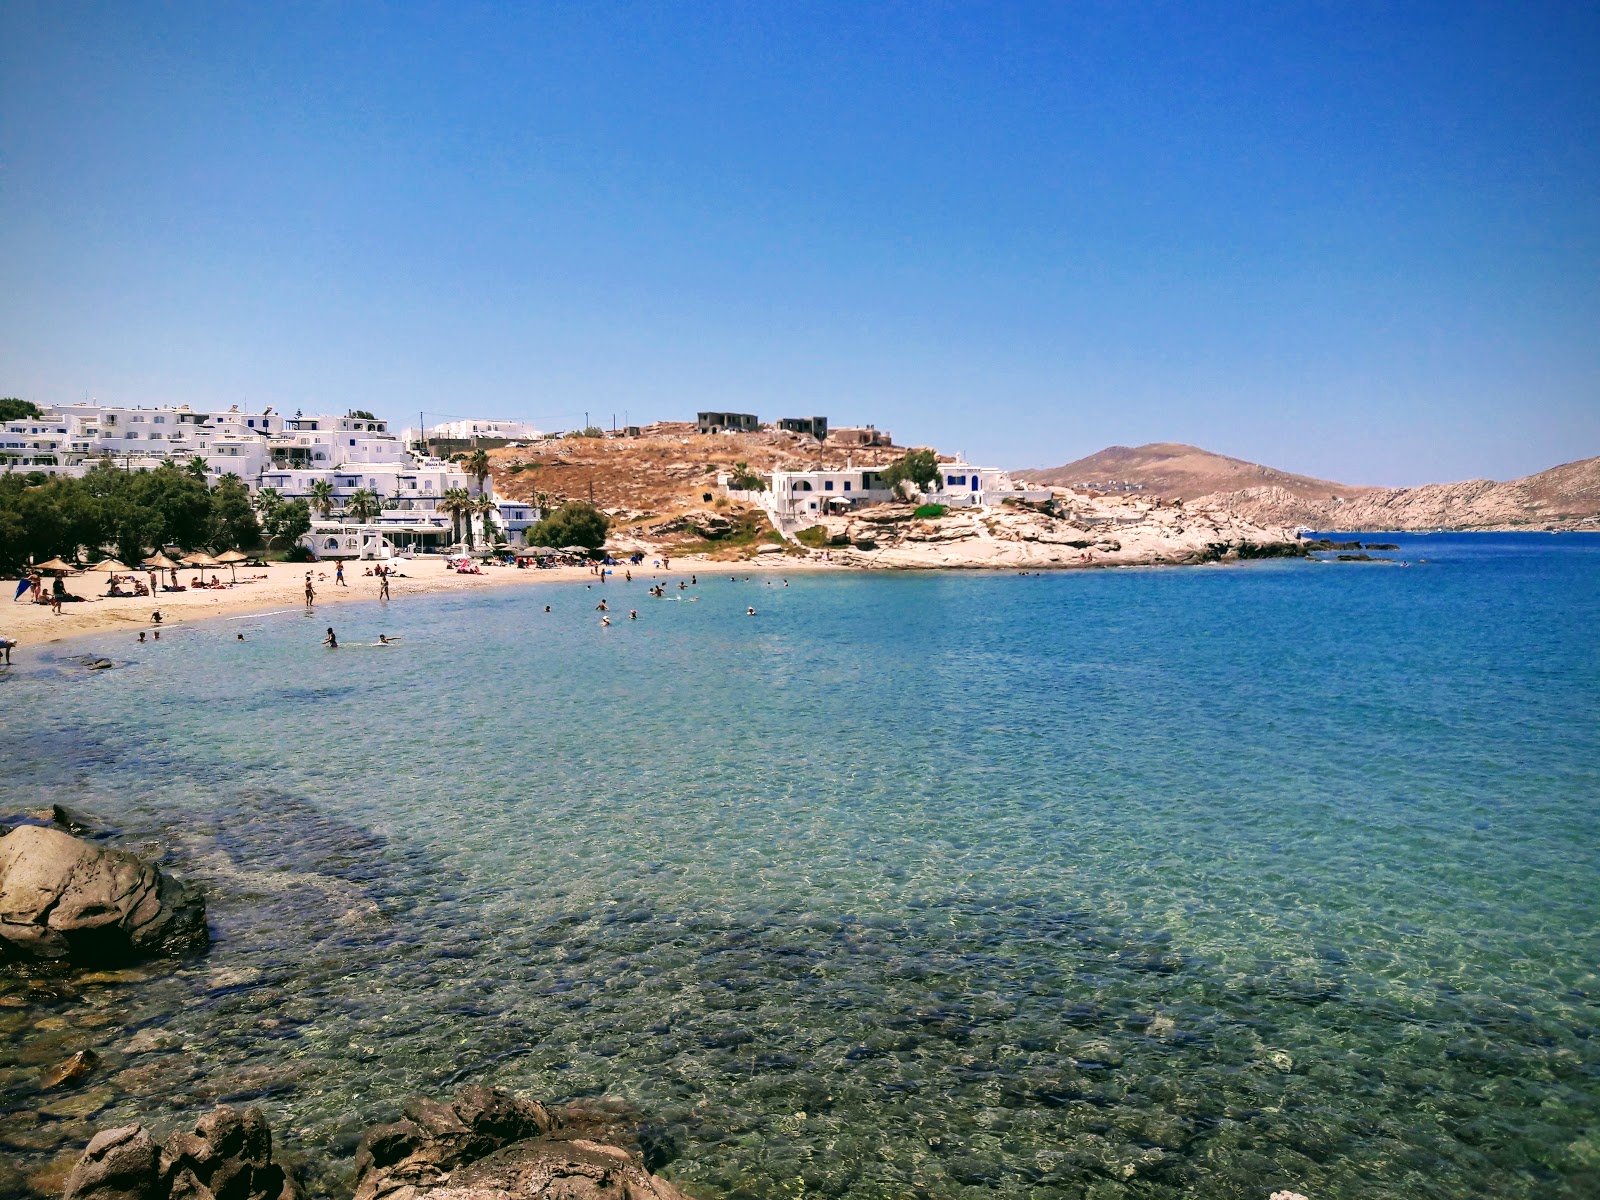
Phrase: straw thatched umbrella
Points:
(110, 566)
(54, 564)
(160, 562)
(199, 560)
(233, 558)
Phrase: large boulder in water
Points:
(68, 900)
(490, 1145)
(227, 1157)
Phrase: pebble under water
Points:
(1198, 882)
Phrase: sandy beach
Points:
(260, 589)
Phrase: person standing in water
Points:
(330, 641)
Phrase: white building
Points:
(470, 428)
(266, 449)
(796, 493)
(516, 517)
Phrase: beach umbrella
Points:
(54, 564)
(110, 566)
(160, 562)
(233, 558)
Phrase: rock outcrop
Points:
(489, 1145)
(1076, 531)
(67, 900)
(227, 1157)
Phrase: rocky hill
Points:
(1564, 497)
(669, 471)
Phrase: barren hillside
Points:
(1563, 497)
(668, 471)
(1179, 472)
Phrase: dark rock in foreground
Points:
(63, 899)
(227, 1157)
(490, 1145)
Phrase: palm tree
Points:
(267, 501)
(322, 496)
(486, 507)
(457, 501)
(363, 504)
(196, 467)
(478, 467)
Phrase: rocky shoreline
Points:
(1070, 532)
(485, 1144)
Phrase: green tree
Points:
(195, 468)
(290, 521)
(233, 516)
(575, 523)
(267, 501)
(322, 496)
(361, 414)
(12, 409)
(487, 509)
(363, 504)
(478, 467)
(457, 502)
(919, 467)
(743, 479)
(177, 503)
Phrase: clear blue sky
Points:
(1359, 241)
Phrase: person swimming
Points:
(547, 608)
(633, 614)
(385, 640)
(750, 612)
(605, 622)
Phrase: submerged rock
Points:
(70, 1071)
(66, 900)
(490, 1145)
(227, 1157)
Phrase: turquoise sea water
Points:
(1197, 882)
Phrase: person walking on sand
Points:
(383, 585)
(338, 574)
(310, 591)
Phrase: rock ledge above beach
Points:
(63, 899)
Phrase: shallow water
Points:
(1149, 883)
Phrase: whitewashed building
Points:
(290, 454)
(797, 493)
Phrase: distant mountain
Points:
(1563, 497)
(1176, 471)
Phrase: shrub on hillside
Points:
(575, 523)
